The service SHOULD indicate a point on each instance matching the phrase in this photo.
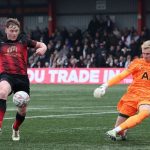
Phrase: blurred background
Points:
(81, 33)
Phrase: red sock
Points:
(19, 120)
(121, 133)
(2, 110)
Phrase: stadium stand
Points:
(102, 47)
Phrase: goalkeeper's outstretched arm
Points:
(100, 91)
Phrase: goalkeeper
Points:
(134, 106)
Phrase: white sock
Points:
(117, 129)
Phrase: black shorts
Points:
(17, 82)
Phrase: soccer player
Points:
(134, 105)
(13, 69)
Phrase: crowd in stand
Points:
(101, 45)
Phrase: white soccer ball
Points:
(99, 92)
(21, 98)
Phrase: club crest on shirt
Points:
(12, 50)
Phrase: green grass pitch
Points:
(67, 117)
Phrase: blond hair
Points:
(146, 45)
(12, 21)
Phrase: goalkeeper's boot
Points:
(15, 134)
(112, 135)
(122, 136)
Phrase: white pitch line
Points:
(91, 107)
(65, 115)
(53, 130)
(44, 108)
(29, 108)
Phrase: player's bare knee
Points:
(3, 94)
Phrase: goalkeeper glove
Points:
(100, 91)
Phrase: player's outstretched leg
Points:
(129, 123)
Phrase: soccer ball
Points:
(99, 92)
(21, 98)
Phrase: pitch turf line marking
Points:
(90, 107)
(44, 108)
(29, 108)
(65, 115)
(56, 130)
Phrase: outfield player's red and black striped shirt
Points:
(13, 55)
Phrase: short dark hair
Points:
(12, 21)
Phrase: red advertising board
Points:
(74, 75)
